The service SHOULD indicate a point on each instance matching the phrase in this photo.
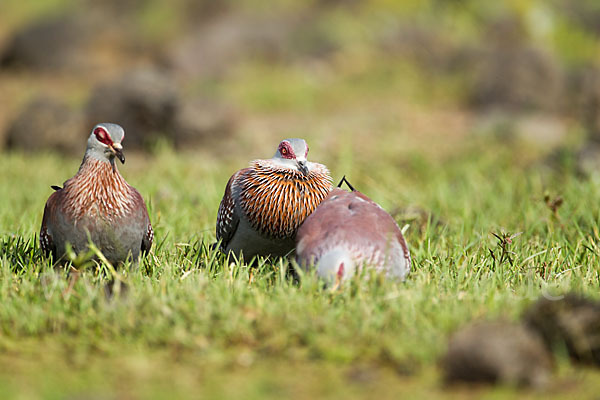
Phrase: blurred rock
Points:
(337, 3)
(584, 99)
(584, 13)
(222, 43)
(520, 78)
(47, 44)
(587, 159)
(428, 47)
(497, 352)
(572, 321)
(195, 10)
(200, 120)
(47, 124)
(147, 103)
(143, 101)
(509, 73)
(542, 129)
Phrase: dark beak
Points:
(303, 168)
(119, 155)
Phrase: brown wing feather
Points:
(46, 243)
(227, 218)
(148, 237)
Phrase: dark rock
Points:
(47, 44)
(47, 124)
(220, 44)
(584, 13)
(200, 120)
(516, 79)
(217, 46)
(511, 74)
(429, 48)
(542, 129)
(497, 352)
(572, 321)
(144, 102)
(583, 104)
(587, 159)
(584, 99)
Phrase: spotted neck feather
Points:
(276, 200)
(98, 189)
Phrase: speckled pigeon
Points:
(264, 204)
(349, 231)
(97, 204)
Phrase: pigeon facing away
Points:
(264, 204)
(97, 204)
(348, 231)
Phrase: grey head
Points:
(104, 143)
(291, 153)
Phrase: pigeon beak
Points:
(303, 167)
(118, 149)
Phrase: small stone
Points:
(46, 124)
(571, 321)
(144, 101)
(46, 44)
(497, 352)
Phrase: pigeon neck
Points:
(276, 201)
(97, 154)
(97, 187)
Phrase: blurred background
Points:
(378, 79)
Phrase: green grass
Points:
(189, 323)
(192, 324)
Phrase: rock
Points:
(429, 48)
(571, 321)
(587, 159)
(219, 44)
(584, 99)
(582, 13)
(200, 120)
(521, 78)
(143, 101)
(543, 129)
(222, 43)
(509, 73)
(497, 352)
(47, 124)
(47, 44)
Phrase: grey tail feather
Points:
(344, 180)
(55, 187)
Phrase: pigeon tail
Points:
(336, 265)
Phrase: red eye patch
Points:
(103, 136)
(286, 150)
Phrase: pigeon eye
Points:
(102, 136)
(283, 151)
(99, 132)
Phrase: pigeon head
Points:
(336, 266)
(291, 153)
(105, 143)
